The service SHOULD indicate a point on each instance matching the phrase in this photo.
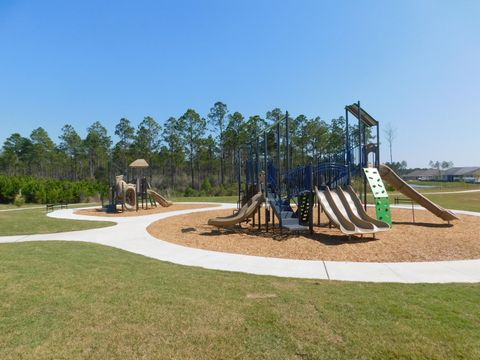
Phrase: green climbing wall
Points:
(382, 202)
(382, 208)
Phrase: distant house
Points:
(424, 175)
(468, 174)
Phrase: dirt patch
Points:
(140, 212)
(427, 239)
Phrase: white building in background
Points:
(470, 174)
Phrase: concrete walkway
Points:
(130, 234)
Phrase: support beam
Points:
(239, 178)
(287, 155)
(279, 160)
(347, 145)
(377, 150)
(364, 159)
(265, 140)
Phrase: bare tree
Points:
(390, 135)
(446, 164)
(440, 165)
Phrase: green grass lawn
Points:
(79, 300)
(35, 221)
(11, 206)
(32, 205)
(467, 201)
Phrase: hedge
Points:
(42, 191)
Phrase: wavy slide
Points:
(343, 212)
(159, 198)
(334, 215)
(351, 198)
(400, 185)
(244, 213)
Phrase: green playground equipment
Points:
(382, 202)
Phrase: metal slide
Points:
(342, 215)
(244, 213)
(159, 198)
(334, 215)
(344, 207)
(349, 196)
(400, 185)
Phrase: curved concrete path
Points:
(130, 234)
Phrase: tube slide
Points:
(126, 193)
(130, 199)
(159, 198)
(244, 213)
(400, 185)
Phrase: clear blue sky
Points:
(415, 64)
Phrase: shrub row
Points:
(208, 190)
(42, 191)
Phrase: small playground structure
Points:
(137, 193)
(288, 195)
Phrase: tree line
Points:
(188, 154)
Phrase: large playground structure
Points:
(136, 193)
(288, 195)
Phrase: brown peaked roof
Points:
(139, 163)
(367, 119)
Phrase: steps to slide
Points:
(400, 185)
(288, 220)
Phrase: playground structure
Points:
(135, 194)
(267, 180)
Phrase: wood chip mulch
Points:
(428, 239)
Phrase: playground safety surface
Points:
(428, 239)
(140, 212)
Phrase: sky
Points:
(412, 64)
